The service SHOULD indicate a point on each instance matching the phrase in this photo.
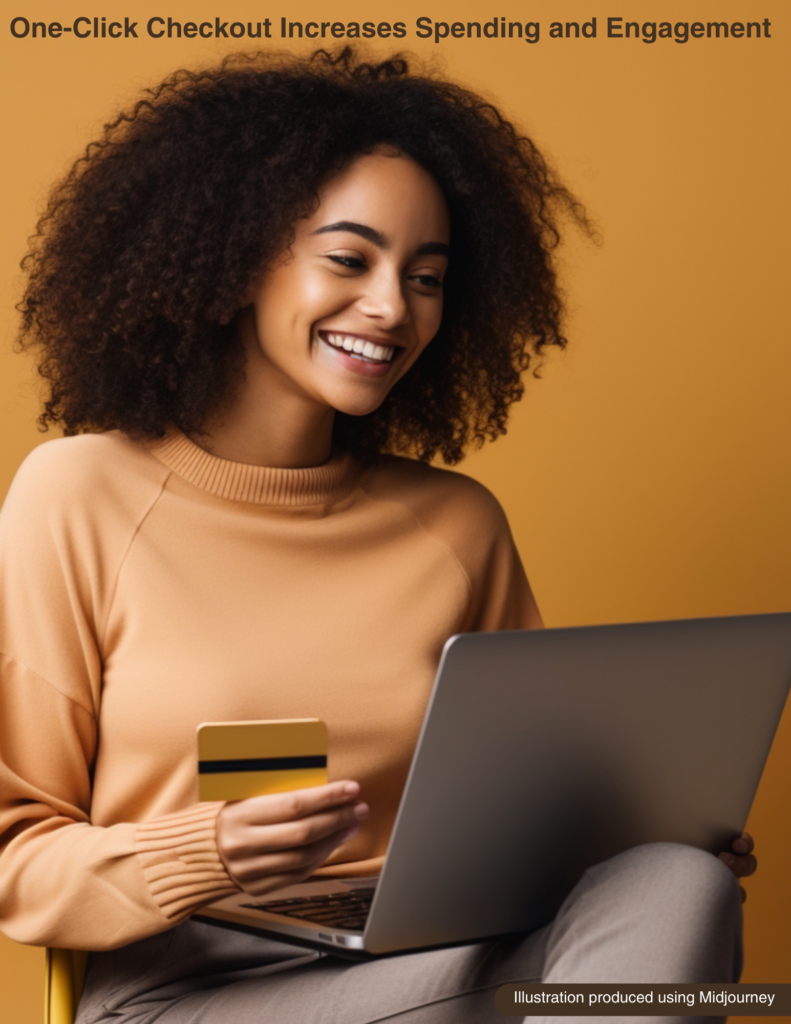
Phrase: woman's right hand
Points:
(268, 842)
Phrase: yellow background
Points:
(648, 475)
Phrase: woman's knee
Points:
(662, 912)
(672, 874)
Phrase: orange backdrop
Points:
(648, 474)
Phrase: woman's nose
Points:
(384, 300)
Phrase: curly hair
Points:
(139, 263)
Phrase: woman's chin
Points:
(358, 408)
(358, 397)
(355, 388)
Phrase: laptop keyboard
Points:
(338, 910)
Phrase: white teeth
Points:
(366, 349)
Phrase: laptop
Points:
(544, 752)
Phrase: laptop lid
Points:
(544, 752)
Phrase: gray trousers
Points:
(658, 913)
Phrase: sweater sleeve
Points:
(63, 881)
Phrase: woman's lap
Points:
(657, 913)
(208, 975)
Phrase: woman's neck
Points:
(269, 422)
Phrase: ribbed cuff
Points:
(180, 861)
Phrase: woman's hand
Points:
(268, 842)
(740, 858)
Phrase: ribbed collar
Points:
(262, 485)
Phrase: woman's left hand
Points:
(740, 858)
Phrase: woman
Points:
(260, 287)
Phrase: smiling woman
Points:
(342, 317)
(257, 290)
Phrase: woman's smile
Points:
(363, 354)
(367, 349)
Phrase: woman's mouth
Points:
(357, 348)
(360, 355)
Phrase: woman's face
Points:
(358, 296)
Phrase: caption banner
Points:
(597, 1000)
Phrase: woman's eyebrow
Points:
(380, 240)
(369, 234)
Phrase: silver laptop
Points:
(542, 753)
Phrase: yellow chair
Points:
(65, 975)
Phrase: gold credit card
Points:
(237, 760)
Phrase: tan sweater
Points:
(145, 590)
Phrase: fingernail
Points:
(350, 832)
(727, 858)
(351, 788)
(740, 846)
(361, 811)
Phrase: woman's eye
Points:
(352, 262)
(426, 280)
